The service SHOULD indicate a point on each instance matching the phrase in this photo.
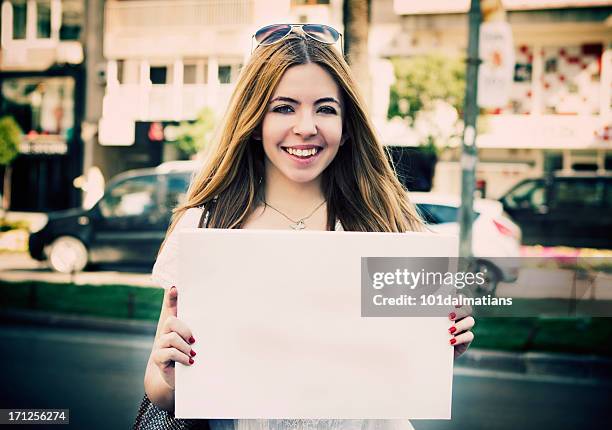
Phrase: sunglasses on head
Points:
(274, 33)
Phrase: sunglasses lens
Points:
(272, 33)
(322, 33)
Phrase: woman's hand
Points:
(173, 345)
(460, 330)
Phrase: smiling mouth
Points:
(303, 153)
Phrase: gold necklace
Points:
(299, 224)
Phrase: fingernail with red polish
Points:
(452, 315)
(192, 353)
(190, 360)
(452, 341)
(452, 330)
(191, 340)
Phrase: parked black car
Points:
(571, 210)
(127, 225)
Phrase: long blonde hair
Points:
(360, 186)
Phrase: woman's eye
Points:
(282, 109)
(327, 110)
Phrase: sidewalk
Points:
(18, 266)
(532, 283)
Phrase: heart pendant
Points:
(298, 225)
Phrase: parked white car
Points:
(496, 239)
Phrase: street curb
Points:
(587, 367)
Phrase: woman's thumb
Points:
(171, 300)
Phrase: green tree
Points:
(10, 137)
(192, 137)
(421, 80)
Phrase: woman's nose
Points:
(305, 125)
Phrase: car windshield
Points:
(132, 197)
(528, 195)
(439, 214)
(176, 191)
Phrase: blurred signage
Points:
(496, 72)
(412, 7)
(43, 144)
(116, 131)
(546, 132)
(156, 132)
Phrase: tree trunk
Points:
(356, 16)
(6, 197)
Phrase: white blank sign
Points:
(277, 320)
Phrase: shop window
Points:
(128, 71)
(19, 19)
(43, 19)
(195, 71)
(225, 74)
(309, 2)
(228, 73)
(159, 75)
(121, 71)
(584, 167)
(42, 107)
(190, 74)
(72, 19)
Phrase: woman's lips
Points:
(303, 154)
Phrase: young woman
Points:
(297, 151)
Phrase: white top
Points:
(165, 273)
(165, 269)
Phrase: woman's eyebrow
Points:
(284, 99)
(294, 101)
(327, 100)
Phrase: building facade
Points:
(559, 113)
(42, 88)
(167, 60)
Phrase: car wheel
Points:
(491, 277)
(67, 254)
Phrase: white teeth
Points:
(302, 152)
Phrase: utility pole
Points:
(95, 80)
(469, 155)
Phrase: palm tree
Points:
(356, 20)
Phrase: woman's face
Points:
(302, 128)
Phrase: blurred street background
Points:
(107, 108)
